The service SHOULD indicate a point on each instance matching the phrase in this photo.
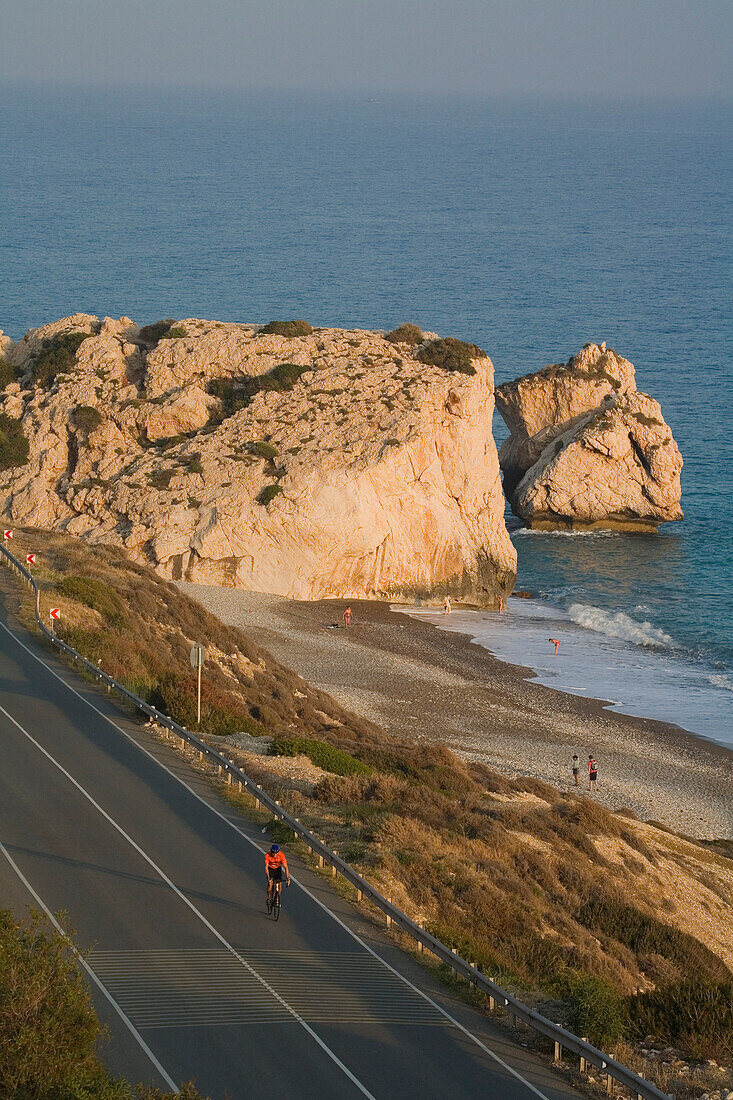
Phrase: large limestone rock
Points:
(587, 449)
(360, 472)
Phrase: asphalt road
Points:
(166, 886)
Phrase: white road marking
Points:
(461, 1027)
(186, 901)
(102, 988)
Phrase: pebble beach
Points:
(421, 682)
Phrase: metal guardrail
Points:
(498, 997)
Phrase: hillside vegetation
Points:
(620, 921)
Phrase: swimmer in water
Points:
(556, 644)
(446, 606)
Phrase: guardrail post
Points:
(389, 919)
(359, 895)
(229, 779)
(239, 782)
(583, 1063)
(492, 1004)
(333, 865)
(609, 1084)
(558, 1053)
(320, 861)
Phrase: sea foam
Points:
(616, 624)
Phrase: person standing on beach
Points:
(347, 617)
(576, 768)
(446, 606)
(556, 644)
(592, 773)
(501, 603)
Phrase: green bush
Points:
(152, 334)
(321, 753)
(451, 355)
(87, 418)
(8, 373)
(694, 1015)
(268, 494)
(286, 328)
(161, 479)
(57, 357)
(95, 594)
(405, 334)
(14, 446)
(222, 713)
(49, 1031)
(263, 449)
(175, 333)
(594, 1009)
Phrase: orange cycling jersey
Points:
(276, 860)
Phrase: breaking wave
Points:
(720, 680)
(615, 624)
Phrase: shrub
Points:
(175, 333)
(286, 328)
(694, 1015)
(161, 479)
(49, 1030)
(152, 334)
(321, 753)
(452, 355)
(57, 357)
(268, 494)
(222, 712)
(405, 334)
(95, 594)
(594, 1009)
(87, 418)
(236, 395)
(8, 373)
(645, 936)
(263, 449)
(14, 446)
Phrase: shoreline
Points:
(418, 681)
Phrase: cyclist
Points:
(275, 864)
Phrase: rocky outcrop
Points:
(332, 464)
(587, 449)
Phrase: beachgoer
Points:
(556, 644)
(592, 773)
(446, 606)
(576, 768)
(347, 617)
(501, 603)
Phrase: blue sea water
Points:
(527, 227)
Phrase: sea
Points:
(529, 227)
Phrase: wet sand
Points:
(418, 681)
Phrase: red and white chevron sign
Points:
(55, 613)
(30, 559)
(7, 534)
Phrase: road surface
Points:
(166, 885)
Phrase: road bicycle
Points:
(274, 900)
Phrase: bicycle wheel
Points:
(276, 906)
(268, 902)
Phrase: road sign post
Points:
(30, 559)
(198, 659)
(54, 615)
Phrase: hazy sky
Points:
(660, 48)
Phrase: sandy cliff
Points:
(587, 449)
(335, 463)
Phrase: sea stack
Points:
(308, 463)
(587, 449)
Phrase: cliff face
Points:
(587, 449)
(330, 464)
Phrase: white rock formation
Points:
(587, 449)
(371, 475)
